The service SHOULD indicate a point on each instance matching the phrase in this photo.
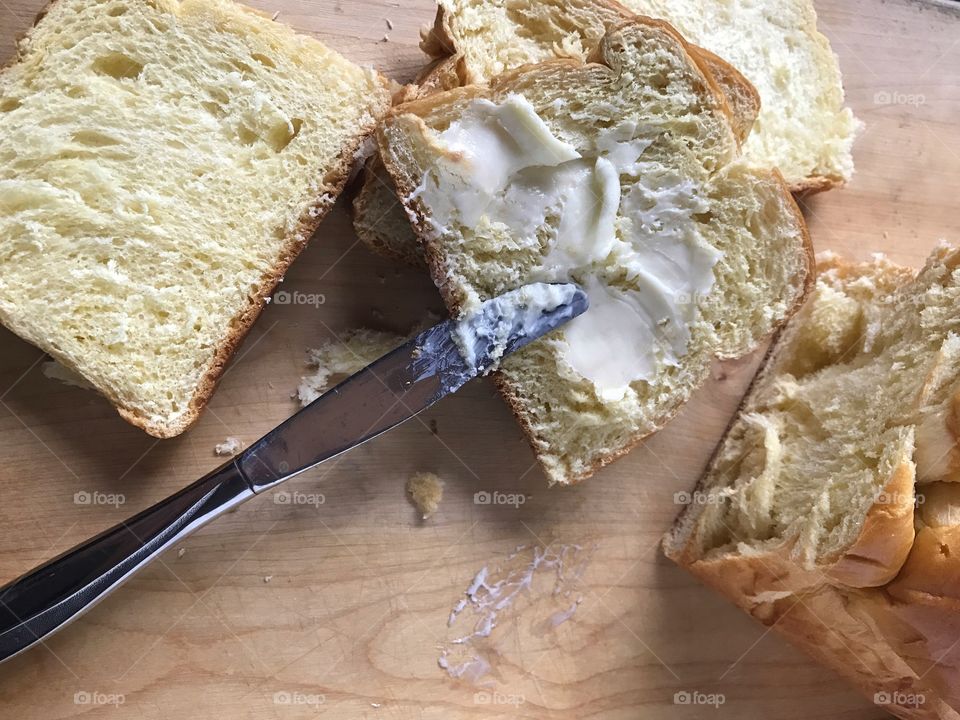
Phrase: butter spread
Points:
(621, 226)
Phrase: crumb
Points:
(267, 578)
(389, 24)
(275, 16)
(425, 491)
(55, 371)
(386, 38)
(339, 358)
(230, 446)
(433, 426)
(374, 705)
(181, 552)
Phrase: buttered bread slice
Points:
(162, 163)
(623, 174)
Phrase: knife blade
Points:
(436, 363)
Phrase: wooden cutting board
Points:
(334, 600)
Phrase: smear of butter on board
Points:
(535, 583)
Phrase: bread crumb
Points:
(386, 38)
(389, 24)
(374, 705)
(339, 358)
(275, 16)
(230, 446)
(426, 491)
(181, 552)
(267, 578)
(55, 371)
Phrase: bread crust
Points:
(310, 219)
(453, 298)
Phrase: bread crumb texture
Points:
(337, 358)
(229, 447)
(425, 491)
(836, 492)
(161, 163)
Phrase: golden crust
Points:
(880, 550)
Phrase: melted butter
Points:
(638, 254)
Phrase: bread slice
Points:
(803, 127)
(554, 29)
(831, 509)
(624, 175)
(162, 163)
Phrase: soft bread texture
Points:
(646, 86)
(803, 127)
(547, 30)
(161, 165)
(831, 509)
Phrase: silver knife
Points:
(437, 362)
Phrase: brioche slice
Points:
(161, 165)
(623, 175)
(803, 127)
(557, 29)
(831, 509)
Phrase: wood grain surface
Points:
(334, 599)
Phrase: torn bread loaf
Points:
(161, 165)
(553, 29)
(831, 510)
(624, 175)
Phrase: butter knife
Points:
(435, 363)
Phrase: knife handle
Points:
(52, 595)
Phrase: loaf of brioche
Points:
(162, 162)
(831, 510)
(623, 174)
